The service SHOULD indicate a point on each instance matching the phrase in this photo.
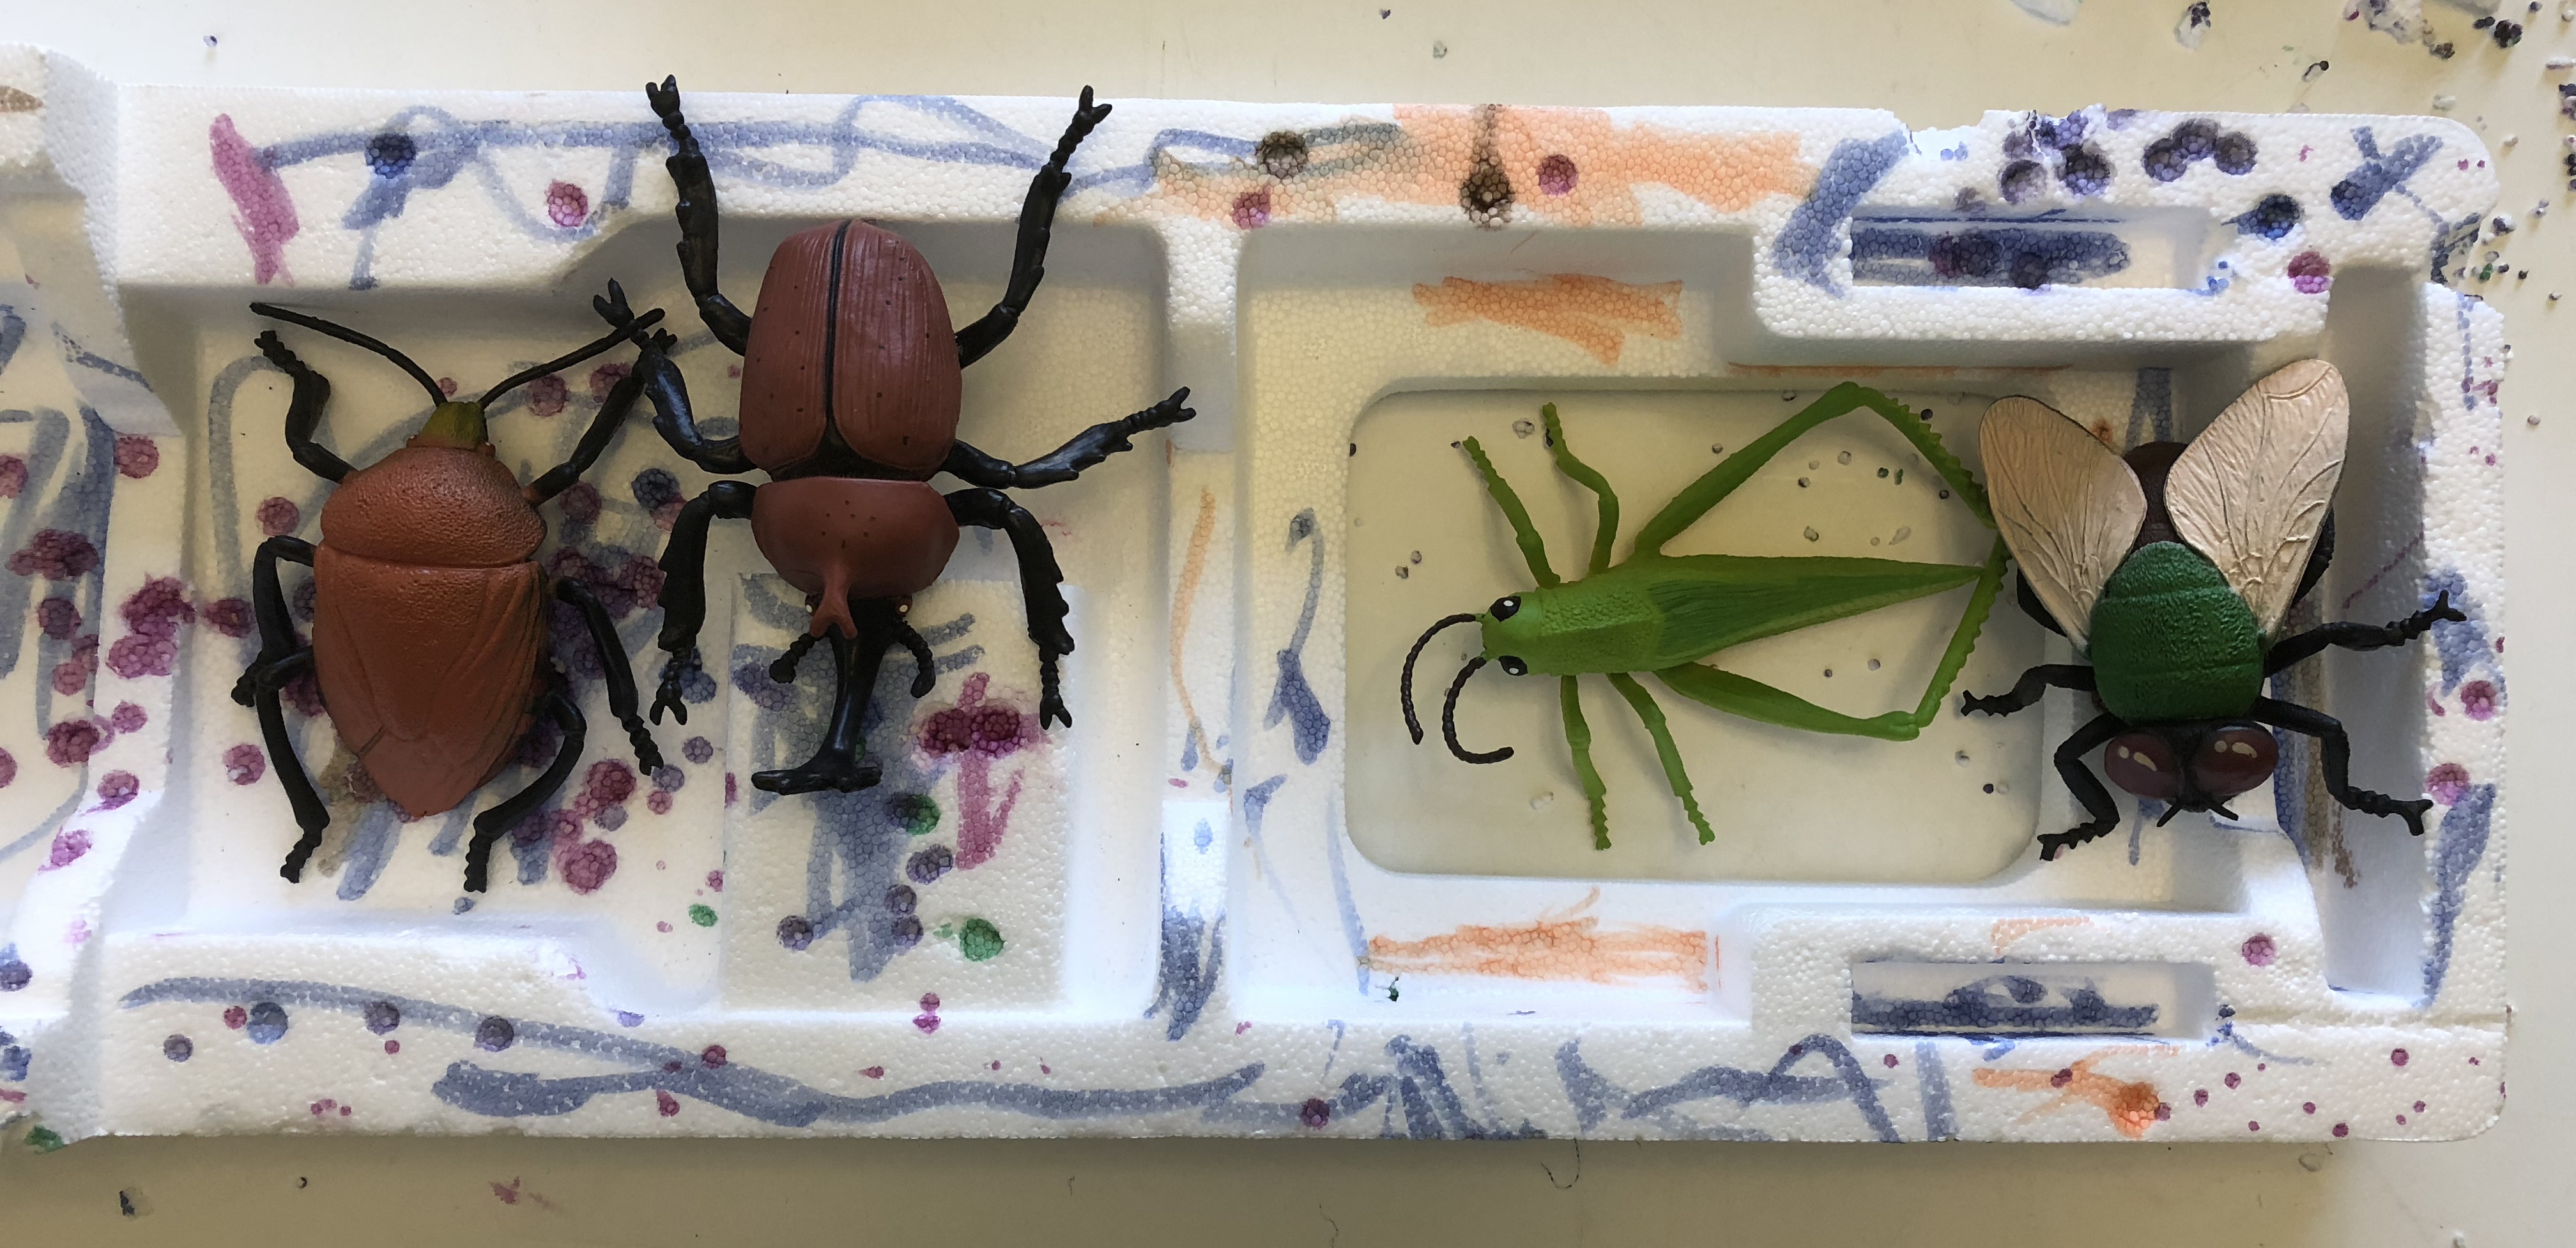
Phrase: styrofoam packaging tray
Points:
(1234, 898)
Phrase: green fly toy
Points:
(1663, 613)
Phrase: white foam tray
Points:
(1234, 899)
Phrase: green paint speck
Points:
(1882, 473)
(43, 1139)
(917, 813)
(979, 940)
(703, 916)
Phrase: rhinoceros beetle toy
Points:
(850, 393)
(429, 612)
(2173, 569)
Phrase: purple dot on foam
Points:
(795, 931)
(2419, 1107)
(265, 1023)
(1316, 1113)
(2253, 1126)
(2259, 949)
(178, 1048)
(2341, 1130)
(2308, 1108)
(494, 1034)
(2234, 1080)
(383, 1017)
(2401, 1120)
(697, 749)
(1888, 1061)
(626, 1019)
(1557, 174)
(2200, 1096)
(2397, 1057)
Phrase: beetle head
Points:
(456, 424)
(2197, 765)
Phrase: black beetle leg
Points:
(841, 763)
(1041, 586)
(277, 636)
(925, 674)
(1028, 257)
(618, 669)
(684, 586)
(312, 814)
(495, 823)
(1066, 462)
(697, 213)
(2081, 782)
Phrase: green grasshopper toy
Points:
(1663, 613)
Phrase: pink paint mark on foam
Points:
(979, 733)
(262, 210)
(67, 849)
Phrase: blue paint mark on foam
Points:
(2029, 258)
(2273, 217)
(1256, 808)
(1940, 1121)
(1190, 966)
(2464, 646)
(1292, 698)
(2014, 1003)
(2151, 407)
(1433, 1110)
(2378, 174)
(2463, 841)
(1342, 896)
(1812, 239)
(1596, 1098)
(735, 1086)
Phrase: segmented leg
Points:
(277, 637)
(2033, 684)
(618, 670)
(698, 220)
(312, 814)
(1524, 534)
(495, 823)
(684, 587)
(2085, 786)
(2338, 761)
(1751, 699)
(1066, 462)
(1041, 586)
(925, 674)
(1578, 738)
(1653, 717)
(2351, 636)
(841, 763)
(1606, 530)
(612, 410)
(1037, 218)
(659, 380)
(304, 410)
(1699, 496)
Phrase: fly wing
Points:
(2252, 490)
(2068, 507)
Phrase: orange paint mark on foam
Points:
(1594, 313)
(2133, 1108)
(2006, 931)
(1184, 598)
(1497, 165)
(1560, 945)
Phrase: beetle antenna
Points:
(2170, 811)
(632, 329)
(348, 335)
(1449, 720)
(1412, 721)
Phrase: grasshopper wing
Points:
(2068, 507)
(2252, 490)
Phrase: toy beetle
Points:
(850, 391)
(429, 615)
(2172, 569)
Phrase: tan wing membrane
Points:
(2068, 507)
(2252, 489)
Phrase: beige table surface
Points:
(1935, 62)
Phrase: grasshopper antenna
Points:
(1449, 720)
(1412, 721)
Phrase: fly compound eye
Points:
(1512, 666)
(2234, 760)
(1505, 608)
(2144, 764)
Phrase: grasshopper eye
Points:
(1512, 666)
(2234, 760)
(1505, 608)
(2144, 764)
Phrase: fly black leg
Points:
(1041, 587)
(619, 672)
(659, 380)
(2350, 636)
(2033, 683)
(2087, 789)
(304, 410)
(841, 763)
(312, 814)
(493, 824)
(1037, 218)
(1066, 462)
(2338, 761)
(697, 214)
(684, 586)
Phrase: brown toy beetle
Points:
(850, 388)
(429, 620)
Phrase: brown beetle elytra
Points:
(850, 383)
(429, 611)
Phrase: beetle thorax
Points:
(433, 506)
(850, 344)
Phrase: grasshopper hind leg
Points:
(1653, 717)
(1578, 739)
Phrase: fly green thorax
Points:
(1663, 614)
(2170, 640)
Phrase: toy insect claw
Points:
(429, 621)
